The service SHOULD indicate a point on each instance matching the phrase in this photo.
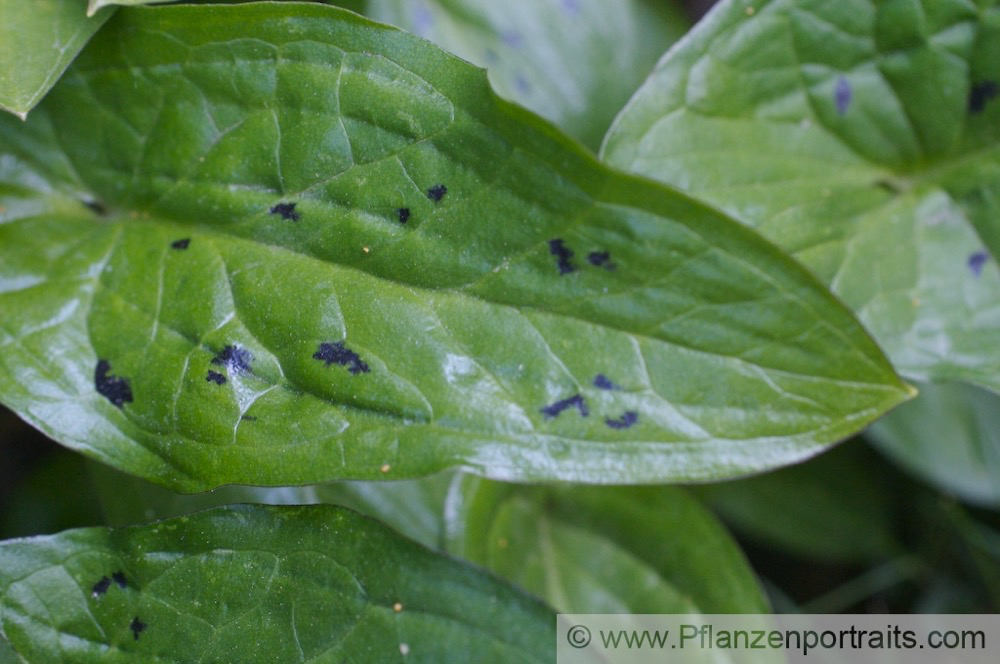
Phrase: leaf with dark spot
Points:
(181, 244)
(842, 94)
(602, 382)
(563, 255)
(437, 192)
(629, 418)
(601, 259)
(137, 627)
(338, 353)
(120, 579)
(980, 94)
(101, 587)
(114, 388)
(404, 215)
(235, 359)
(976, 262)
(576, 401)
(215, 377)
(97, 206)
(286, 210)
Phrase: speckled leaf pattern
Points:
(948, 436)
(603, 549)
(575, 62)
(38, 40)
(313, 583)
(862, 137)
(313, 247)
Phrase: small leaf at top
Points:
(861, 137)
(141, 241)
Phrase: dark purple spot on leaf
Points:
(437, 192)
(602, 382)
(404, 215)
(981, 94)
(114, 388)
(575, 401)
(101, 587)
(120, 580)
(248, 418)
(215, 377)
(522, 85)
(422, 19)
(286, 210)
(235, 359)
(563, 255)
(601, 259)
(181, 244)
(625, 421)
(512, 38)
(976, 262)
(137, 627)
(338, 353)
(842, 95)
(571, 6)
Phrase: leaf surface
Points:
(38, 40)
(603, 549)
(253, 583)
(279, 244)
(863, 138)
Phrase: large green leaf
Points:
(575, 62)
(949, 436)
(861, 137)
(252, 583)
(38, 40)
(318, 247)
(603, 549)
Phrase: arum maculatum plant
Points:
(284, 247)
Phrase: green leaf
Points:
(839, 507)
(603, 549)
(38, 40)
(950, 437)
(575, 62)
(858, 136)
(413, 508)
(252, 583)
(242, 301)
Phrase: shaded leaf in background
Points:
(838, 507)
(216, 281)
(414, 508)
(860, 137)
(575, 62)
(56, 495)
(253, 583)
(950, 437)
(603, 549)
(38, 40)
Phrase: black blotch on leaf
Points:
(976, 262)
(437, 192)
(629, 418)
(248, 418)
(101, 587)
(563, 255)
(215, 377)
(97, 206)
(287, 211)
(120, 580)
(114, 388)
(404, 215)
(601, 259)
(338, 353)
(602, 382)
(235, 359)
(181, 244)
(137, 626)
(575, 401)
(980, 94)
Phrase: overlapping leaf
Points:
(279, 244)
(860, 136)
(312, 584)
(603, 549)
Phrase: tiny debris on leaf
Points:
(101, 587)
(338, 353)
(602, 382)
(137, 626)
(287, 211)
(120, 579)
(977, 261)
(980, 94)
(625, 421)
(575, 401)
(181, 244)
(601, 259)
(114, 388)
(437, 192)
(215, 377)
(404, 215)
(235, 359)
(563, 255)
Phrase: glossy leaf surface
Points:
(575, 62)
(603, 549)
(263, 584)
(950, 437)
(279, 244)
(38, 40)
(862, 137)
